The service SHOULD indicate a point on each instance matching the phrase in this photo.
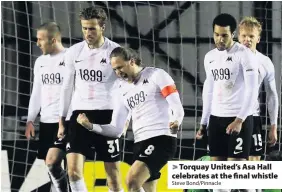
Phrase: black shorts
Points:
(224, 145)
(83, 141)
(257, 147)
(155, 152)
(48, 139)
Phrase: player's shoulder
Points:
(76, 47)
(263, 58)
(242, 49)
(155, 74)
(153, 71)
(211, 54)
(41, 60)
(265, 61)
(111, 44)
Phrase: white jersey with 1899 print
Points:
(90, 71)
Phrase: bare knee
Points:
(75, 166)
(113, 176)
(54, 156)
(74, 174)
(132, 182)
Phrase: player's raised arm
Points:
(115, 128)
(34, 103)
(250, 74)
(68, 83)
(169, 91)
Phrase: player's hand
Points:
(29, 131)
(84, 121)
(272, 135)
(61, 132)
(173, 127)
(235, 127)
(201, 132)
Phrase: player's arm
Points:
(67, 87)
(207, 94)
(250, 73)
(271, 94)
(34, 103)
(272, 102)
(127, 123)
(115, 128)
(170, 93)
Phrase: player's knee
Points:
(74, 174)
(114, 183)
(55, 170)
(132, 182)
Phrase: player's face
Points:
(123, 69)
(222, 37)
(43, 42)
(92, 31)
(249, 36)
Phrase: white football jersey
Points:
(266, 74)
(231, 82)
(90, 71)
(47, 84)
(149, 108)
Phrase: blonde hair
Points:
(250, 22)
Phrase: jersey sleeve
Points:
(68, 82)
(207, 94)
(249, 65)
(35, 98)
(271, 93)
(164, 82)
(168, 90)
(119, 119)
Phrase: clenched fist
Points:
(173, 127)
(84, 121)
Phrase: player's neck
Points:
(254, 50)
(137, 73)
(97, 44)
(57, 49)
(231, 45)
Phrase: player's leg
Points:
(150, 186)
(75, 165)
(136, 177)
(217, 138)
(150, 156)
(55, 155)
(108, 150)
(239, 145)
(256, 147)
(47, 136)
(57, 173)
(77, 146)
(113, 176)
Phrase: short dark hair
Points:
(94, 13)
(126, 54)
(52, 28)
(225, 20)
